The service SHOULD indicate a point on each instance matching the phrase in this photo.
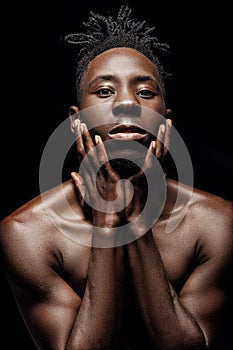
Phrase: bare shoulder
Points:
(213, 210)
(212, 216)
(35, 212)
(208, 207)
(34, 227)
(208, 217)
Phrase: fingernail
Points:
(76, 122)
(74, 125)
(83, 127)
(163, 129)
(97, 139)
(75, 176)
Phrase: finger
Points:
(160, 141)
(148, 163)
(103, 157)
(149, 159)
(87, 140)
(86, 150)
(79, 141)
(167, 137)
(101, 151)
(80, 187)
(96, 155)
(73, 116)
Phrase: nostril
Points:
(127, 108)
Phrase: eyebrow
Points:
(103, 77)
(149, 78)
(110, 77)
(142, 78)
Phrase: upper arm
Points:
(49, 306)
(207, 294)
(49, 313)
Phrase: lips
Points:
(127, 132)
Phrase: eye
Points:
(147, 93)
(104, 92)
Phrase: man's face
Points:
(122, 100)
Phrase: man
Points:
(91, 262)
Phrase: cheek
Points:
(87, 101)
(158, 105)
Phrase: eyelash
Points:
(107, 90)
(151, 93)
(104, 95)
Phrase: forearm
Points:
(98, 321)
(169, 324)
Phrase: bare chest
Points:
(177, 251)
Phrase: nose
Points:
(126, 107)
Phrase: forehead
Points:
(121, 61)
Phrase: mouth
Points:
(127, 132)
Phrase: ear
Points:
(168, 111)
(73, 115)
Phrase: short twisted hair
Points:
(104, 33)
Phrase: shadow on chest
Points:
(179, 256)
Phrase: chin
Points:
(126, 157)
(125, 167)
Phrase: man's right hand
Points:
(98, 181)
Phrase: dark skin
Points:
(159, 291)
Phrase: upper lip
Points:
(127, 129)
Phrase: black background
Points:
(38, 88)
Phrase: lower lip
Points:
(127, 136)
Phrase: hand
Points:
(97, 182)
(106, 179)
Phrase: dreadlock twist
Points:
(104, 33)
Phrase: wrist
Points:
(107, 220)
(106, 237)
